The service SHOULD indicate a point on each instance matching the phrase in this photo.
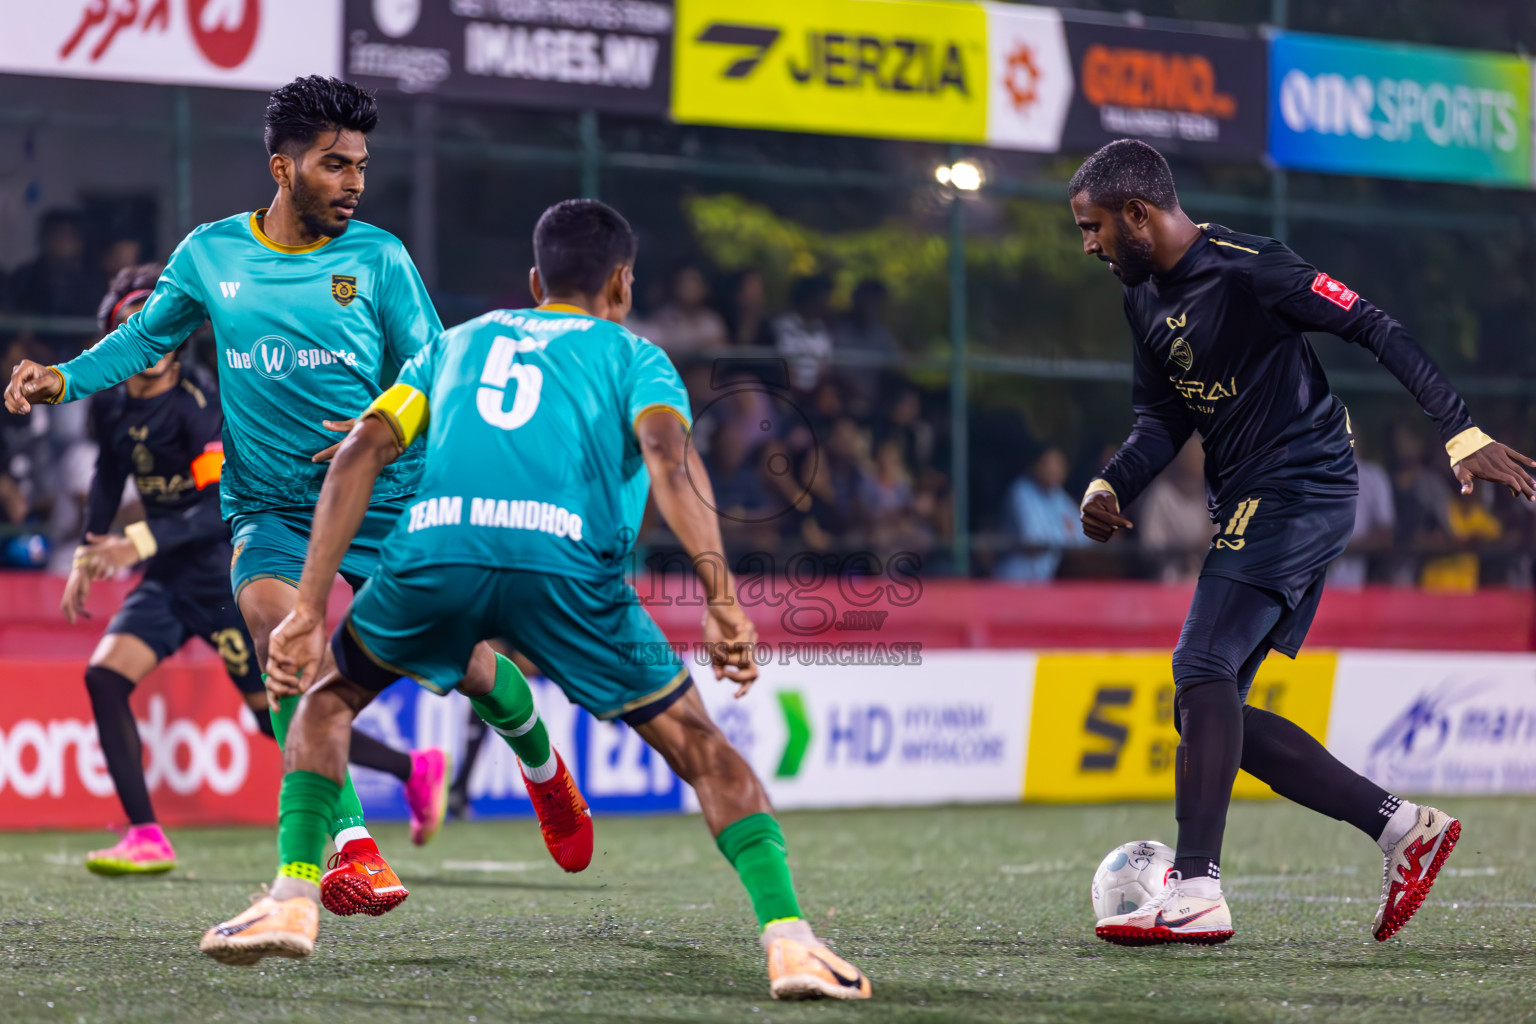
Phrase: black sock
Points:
(458, 793)
(1205, 766)
(120, 744)
(371, 753)
(1285, 757)
(264, 722)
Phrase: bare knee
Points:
(480, 675)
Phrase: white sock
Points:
(287, 887)
(1403, 819)
(1204, 887)
(346, 835)
(545, 771)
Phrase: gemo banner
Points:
(886, 68)
(1437, 723)
(1399, 111)
(1186, 92)
(246, 44)
(204, 759)
(1102, 724)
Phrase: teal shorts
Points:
(593, 640)
(271, 545)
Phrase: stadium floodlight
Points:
(963, 175)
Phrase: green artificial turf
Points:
(957, 914)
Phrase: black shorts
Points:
(1284, 544)
(166, 616)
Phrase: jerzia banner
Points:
(607, 55)
(1185, 92)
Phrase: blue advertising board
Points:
(1399, 111)
(617, 772)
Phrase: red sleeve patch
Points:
(1336, 292)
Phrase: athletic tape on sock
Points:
(303, 872)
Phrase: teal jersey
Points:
(304, 335)
(532, 459)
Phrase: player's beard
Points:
(1133, 262)
(314, 211)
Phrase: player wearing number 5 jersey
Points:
(310, 311)
(1218, 320)
(547, 428)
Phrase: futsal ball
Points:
(1130, 876)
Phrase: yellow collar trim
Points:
(290, 250)
(561, 307)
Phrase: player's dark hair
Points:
(578, 243)
(129, 281)
(315, 104)
(1125, 169)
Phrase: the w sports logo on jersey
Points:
(343, 288)
(1232, 537)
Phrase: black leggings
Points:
(1224, 641)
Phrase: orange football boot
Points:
(268, 927)
(564, 817)
(360, 882)
(800, 971)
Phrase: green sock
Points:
(305, 810)
(755, 847)
(509, 709)
(349, 809)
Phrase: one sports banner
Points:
(564, 54)
(1354, 107)
(1101, 726)
(901, 69)
(1186, 92)
(242, 44)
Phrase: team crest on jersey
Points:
(1181, 356)
(343, 288)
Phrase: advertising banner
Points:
(1185, 92)
(1102, 724)
(1029, 77)
(616, 771)
(566, 54)
(952, 728)
(1399, 111)
(903, 69)
(243, 44)
(205, 760)
(1437, 723)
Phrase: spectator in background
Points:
(1375, 519)
(804, 334)
(862, 332)
(904, 422)
(746, 309)
(119, 255)
(58, 282)
(1172, 520)
(1044, 518)
(890, 505)
(1421, 499)
(684, 325)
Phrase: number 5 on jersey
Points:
(501, 369)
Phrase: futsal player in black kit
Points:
(164, 428)
(1218, 321)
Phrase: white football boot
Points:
(1170, 916)
(1410, 868)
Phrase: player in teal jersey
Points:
(547, 428)
(308, 308)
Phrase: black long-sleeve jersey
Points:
(1220, 348)
(172, 445)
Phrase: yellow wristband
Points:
(1100, 486)
(1465, 443)
(143, 541)
(404, 410)
(80, 552)
(63, 386)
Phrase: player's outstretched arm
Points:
(686, 501)
(31, 382)
(299, 640)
